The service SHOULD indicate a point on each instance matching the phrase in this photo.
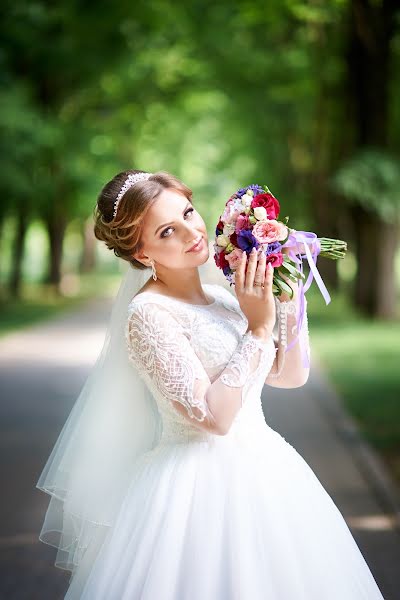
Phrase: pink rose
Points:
(269, 231)
(234, 258)
(275, 258)
(242, 223)
(283, 231)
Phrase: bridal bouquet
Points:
(251, 219)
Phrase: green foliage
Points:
(361, 358)
(371, 179)
(252, 93)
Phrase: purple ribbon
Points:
(307, 238)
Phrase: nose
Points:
(191, 234)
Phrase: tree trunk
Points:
(18, 253)
(88, 258)
(375, 283)
(2, 285)
(56, 225)
(372, 26)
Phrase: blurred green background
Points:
(300, 95)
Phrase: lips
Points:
(196, 244)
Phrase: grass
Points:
(362, 358)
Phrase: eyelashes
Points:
(186, 212)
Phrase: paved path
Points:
(42, 370)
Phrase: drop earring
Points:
(153, 270)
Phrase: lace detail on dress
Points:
(182, 351)
(158, 348)
(286, 331)
(240, 365)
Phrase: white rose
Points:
(247, 199)
(260, 213)
(222, 240)
(228, 229)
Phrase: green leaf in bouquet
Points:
(275, 290)
(289, 266)
(288, 274)
(285, 287)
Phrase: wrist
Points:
(262, 333)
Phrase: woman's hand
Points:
(256, 302)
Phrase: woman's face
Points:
(171, 227)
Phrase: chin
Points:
(206, 256)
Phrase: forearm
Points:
(288, 370)
(224, 397)
(161, 352)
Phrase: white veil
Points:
(114, 420)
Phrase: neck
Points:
(184, 284)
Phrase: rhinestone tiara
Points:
(130, 180)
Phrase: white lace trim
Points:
(239, 367)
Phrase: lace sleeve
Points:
(161, 352)
(288, 369)
(164, 357)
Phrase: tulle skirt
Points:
(228, 519)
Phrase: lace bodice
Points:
(196, 357)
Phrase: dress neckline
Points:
(177, 299)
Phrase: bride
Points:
(166, 482)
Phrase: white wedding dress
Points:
(239, 516)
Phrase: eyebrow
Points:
(165, 224)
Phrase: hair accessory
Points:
(131, 179)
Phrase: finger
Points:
(251, 270)
(269, 276)
(260, 271)
(239, 275)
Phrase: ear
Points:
(143, 258)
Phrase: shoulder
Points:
(148, 308)
(150, 317)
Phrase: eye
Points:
(189, 210)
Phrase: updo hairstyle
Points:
(122, 233)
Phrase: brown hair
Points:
(122, 233)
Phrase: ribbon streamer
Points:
(307, 238)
